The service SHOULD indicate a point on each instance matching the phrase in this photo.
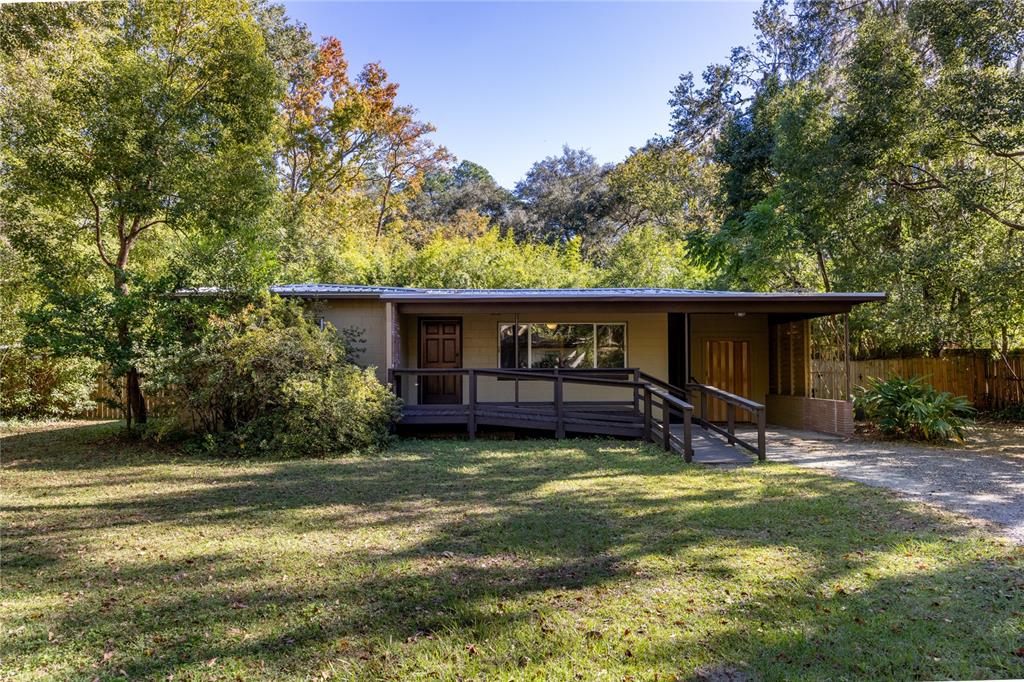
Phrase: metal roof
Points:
(594, 294)
(330, 290)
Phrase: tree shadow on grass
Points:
(383, 565)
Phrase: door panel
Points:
(727, 366)
(440, 347)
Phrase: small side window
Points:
(321, 323)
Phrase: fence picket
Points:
(158, 403)
(989, 382)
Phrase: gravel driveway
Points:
(987, 485)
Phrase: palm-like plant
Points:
(913, 409)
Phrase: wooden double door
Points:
(440, 348)
(727, 366)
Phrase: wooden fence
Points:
(158, 402)
(991, 383)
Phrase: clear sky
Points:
(507, 84)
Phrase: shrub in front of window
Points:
(913, 409)
(270, 380)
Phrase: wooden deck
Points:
(605, 418)
(657, 411)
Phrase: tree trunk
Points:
(823, 270)
(383, 211)
(134, 400)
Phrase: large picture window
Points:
(556, 344)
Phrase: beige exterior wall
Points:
(646, 348)
(366, 316)
(750, 328)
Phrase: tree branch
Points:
(940, 184)
(148, 225)
(96, 228)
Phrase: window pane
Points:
(507, 341)
(562, 345)
(611, 345)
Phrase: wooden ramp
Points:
(709, 449)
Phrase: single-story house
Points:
(579, 357)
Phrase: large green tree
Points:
(124, 135)
(873, 145)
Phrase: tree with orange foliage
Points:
(349, 139)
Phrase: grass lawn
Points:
(526, 560)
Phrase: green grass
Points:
(526, 560)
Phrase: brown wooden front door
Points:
(727, 366)
(440, 347)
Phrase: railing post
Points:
(559, 418)
(704, 409)
(730, 418)
(666, 423)
(471, 416)
(762, 446)
(647, 413)
(636, 392)
(687, 435)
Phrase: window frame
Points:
(529, 342)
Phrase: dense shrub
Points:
(268, 379)
(1011, 413)
(35, 386)
(911, 408)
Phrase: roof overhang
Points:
(795, 305)
(794, 310)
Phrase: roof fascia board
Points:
(711, 297)
(769, 306)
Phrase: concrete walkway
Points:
(986, 486)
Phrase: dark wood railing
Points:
(649, 413)
(732, 401)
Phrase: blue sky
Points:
(507, 84)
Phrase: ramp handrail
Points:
(732, 401)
